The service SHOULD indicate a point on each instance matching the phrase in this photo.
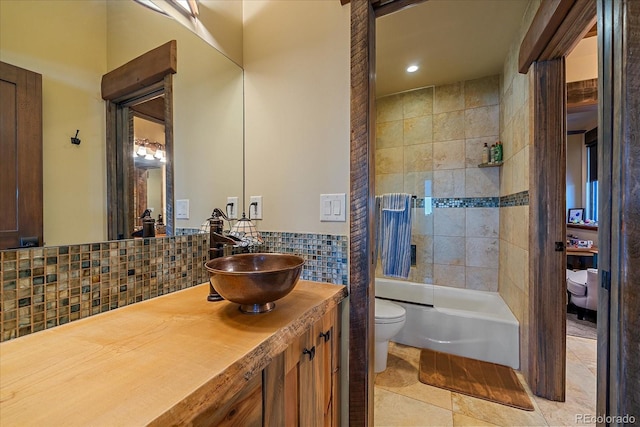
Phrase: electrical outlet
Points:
(232, 208)
(255, 207)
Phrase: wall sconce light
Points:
(149, 150)
(142, 151)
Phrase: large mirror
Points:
(72, 45)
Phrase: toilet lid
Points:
(388, 312)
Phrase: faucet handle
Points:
(218, 213)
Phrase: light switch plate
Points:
(182, 209)
(333, 207)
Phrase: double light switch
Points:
(333, 207)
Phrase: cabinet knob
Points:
(311, 353)
(326, 335)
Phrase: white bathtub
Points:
(474, 324)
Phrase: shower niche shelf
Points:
(490, 165)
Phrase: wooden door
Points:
(20, 157)
(548, 296)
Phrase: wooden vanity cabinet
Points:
(301, 385)
(231, 370)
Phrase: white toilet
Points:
(390, 319)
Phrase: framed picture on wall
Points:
(576, 215)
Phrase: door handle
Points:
(326, 335)
(560, 246)
(311, 353)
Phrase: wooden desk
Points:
(583, 252)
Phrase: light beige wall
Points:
(219, 23)
(207, 103)
(222, 26)
(72, 63)
(575, 174)
(582, 62)
(68, 43)
(515, 133)
(297, 70)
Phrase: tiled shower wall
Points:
(46, 287)
(429, 143)
(517, 119)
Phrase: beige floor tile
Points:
(408, 353)
(401, 377)
(392, 409)
(586, 350)
(463, 420)
(562, 413)
(422, 392)
(580, 396)
(495, 413)
(402, 400)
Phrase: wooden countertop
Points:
(153, 362)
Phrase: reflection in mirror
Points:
(149, 159)
(72, 44)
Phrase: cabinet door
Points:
(310, 375)
(330, 335)
(311, 379)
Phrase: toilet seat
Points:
(388, 312)
(577, 282)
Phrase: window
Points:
(188, 8)
(591, 208)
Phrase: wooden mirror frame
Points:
(147, 74)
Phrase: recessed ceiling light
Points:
(412, 69)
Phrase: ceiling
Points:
(450, 40)
(582, 119)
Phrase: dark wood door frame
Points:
(362, 201)
(147, 75)
(552, 35)
(619, 226)
(556, 28)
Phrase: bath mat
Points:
(484, 380)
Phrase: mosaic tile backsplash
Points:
(325, 254)
(46, 287)
(518, 199)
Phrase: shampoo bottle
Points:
(485, 153)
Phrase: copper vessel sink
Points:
(255, 281)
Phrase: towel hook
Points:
(74, 139)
